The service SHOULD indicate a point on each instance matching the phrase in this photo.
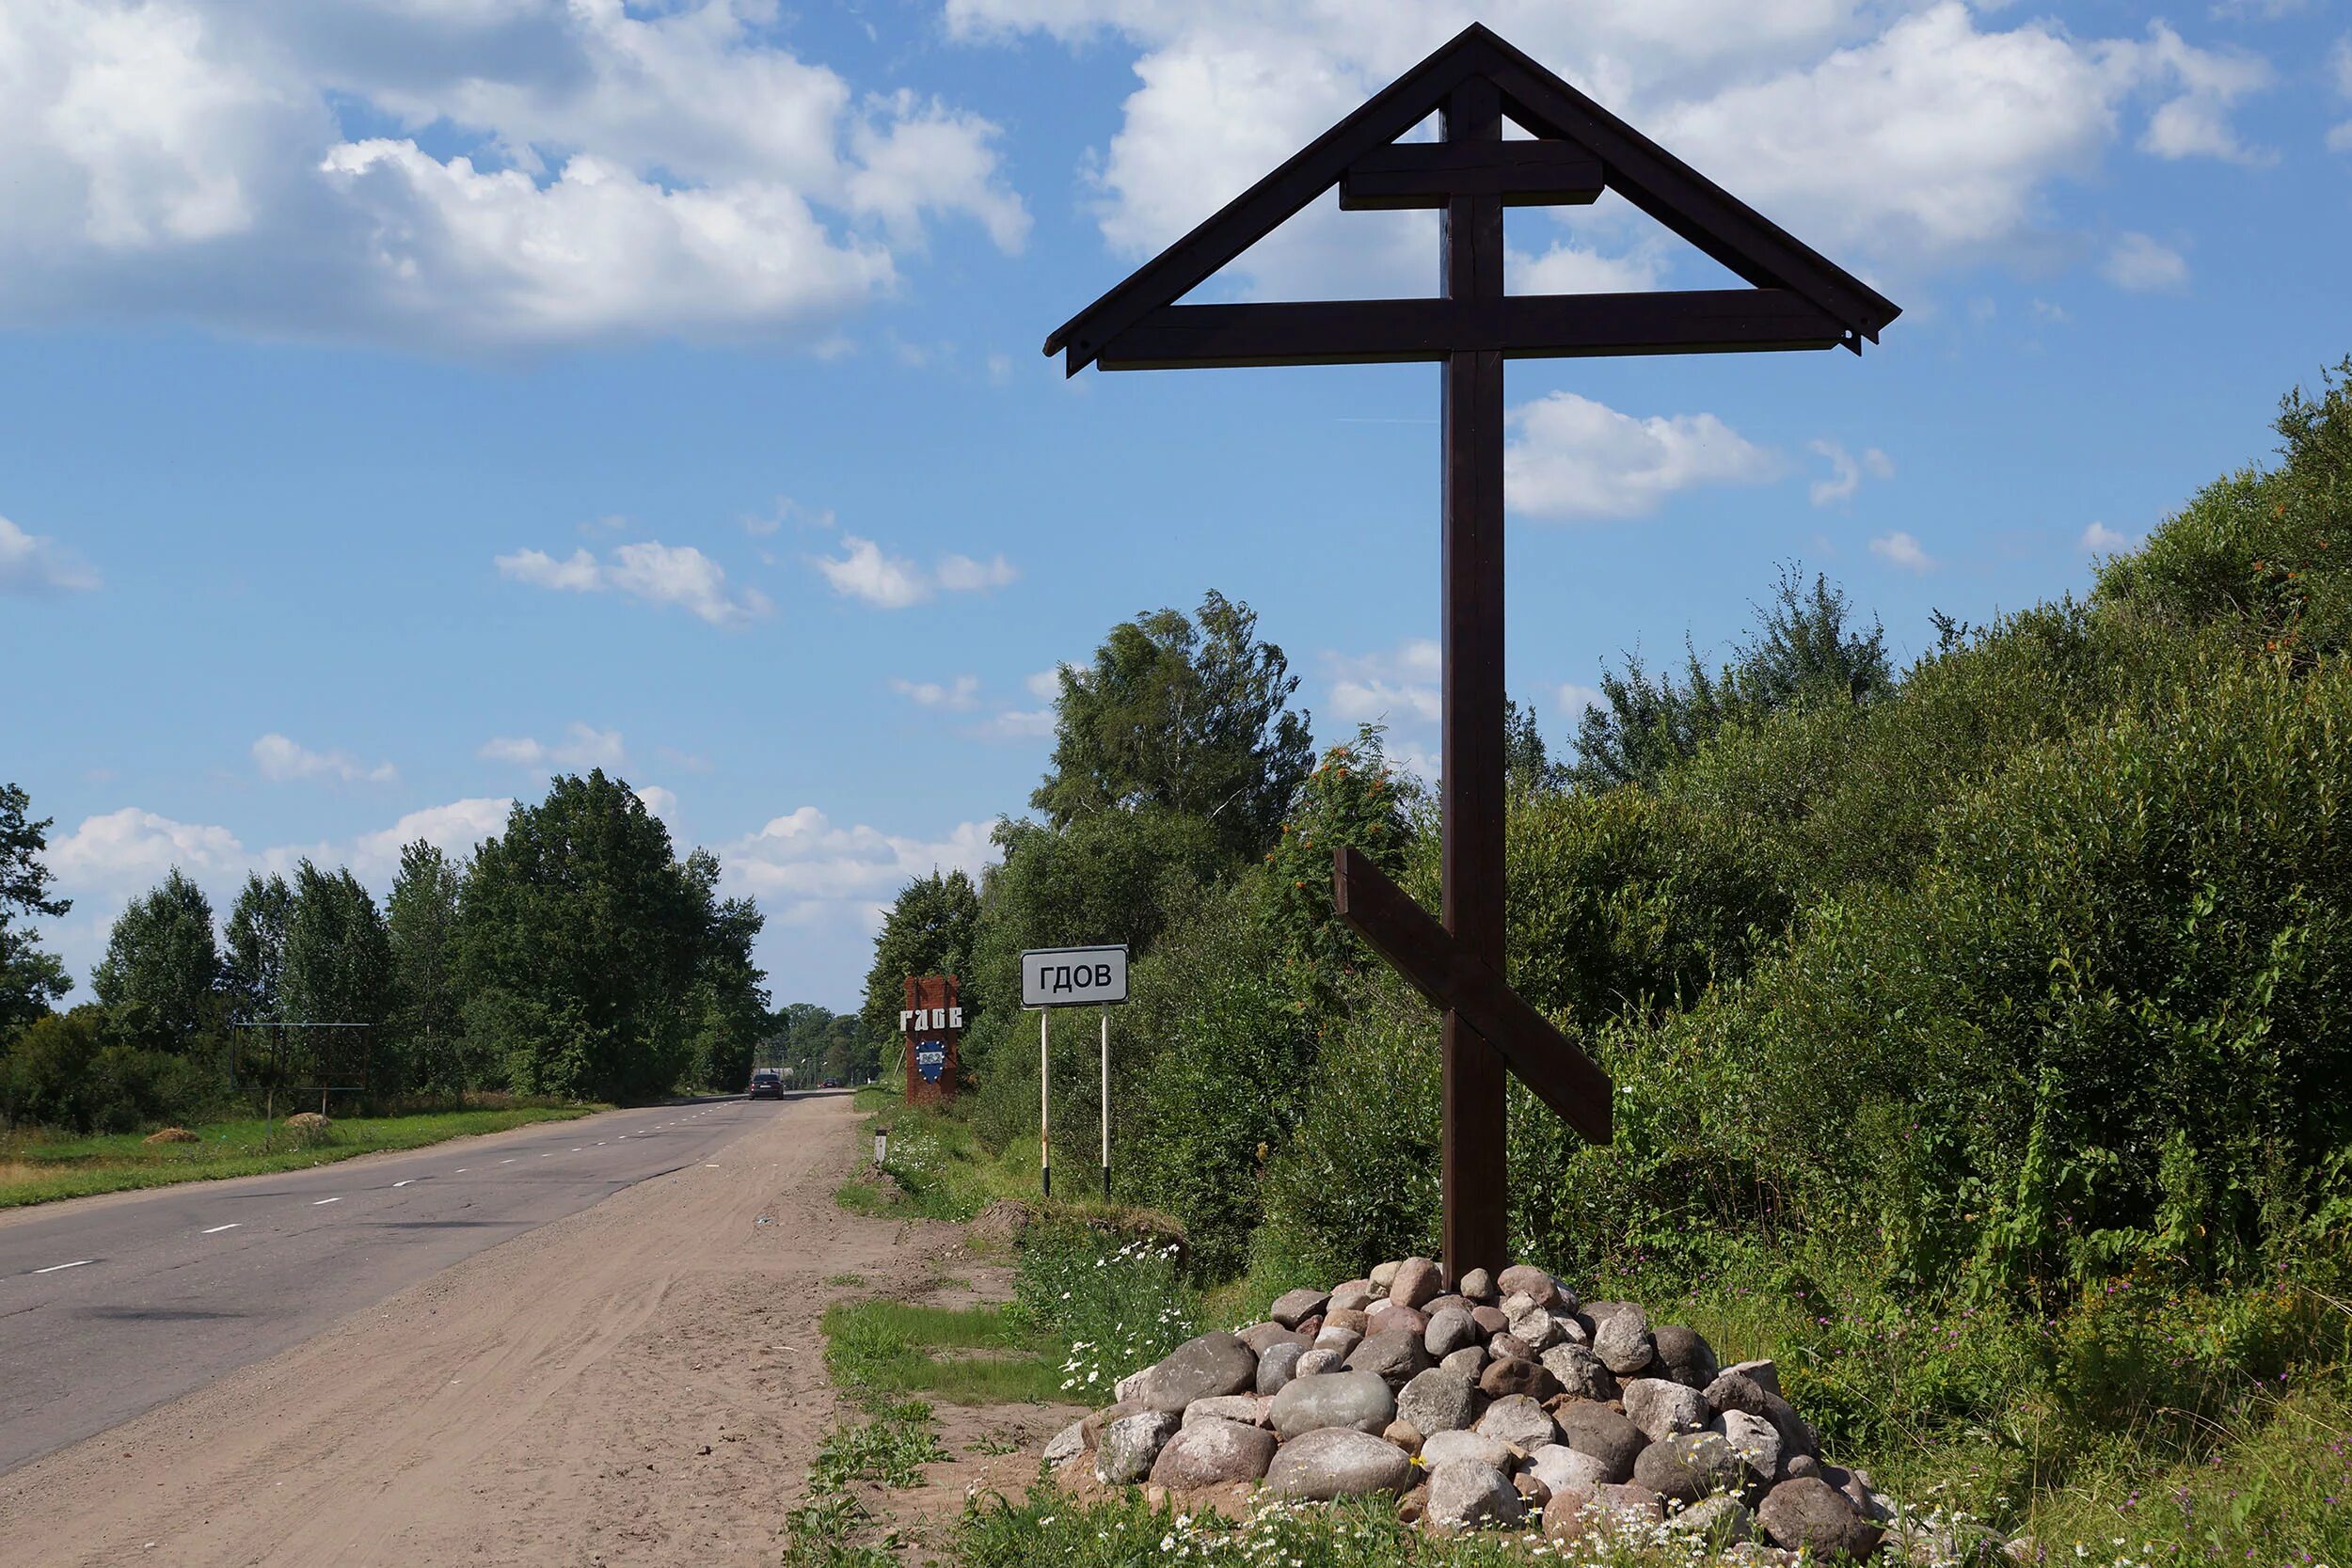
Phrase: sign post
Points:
(931, 1025)
(1573, 151)
(1071, 977)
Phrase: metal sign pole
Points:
(1044, 1117)
(1107, 1103)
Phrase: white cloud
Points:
(801, 856)
(1575, 699)
(676, 575)
(2144, 265)
(662, 803)
(2340, 136)
(1569, 269)
(582, 746)
(866, 572)
(1045, 685)
(1846, 471)
(956, 696)
(2099, 539)
(1900, 134)
(1014, 724)
(464, 177)
(454, 829)
(1902, 549)
(35, 566)
(1572, 457)
(123, 852)
(281, 759)
(1396, 685)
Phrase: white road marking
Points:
(325, 1200)
(218, 1229)
(506, 1162)
(710, 1167)
(459, 1171)
(78, 1263)
(575, 1150)
(403, 1183)
(548, 1155)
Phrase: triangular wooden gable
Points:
(1811, 301)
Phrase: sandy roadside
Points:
(642, 1382)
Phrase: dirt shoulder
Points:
(642, 1382)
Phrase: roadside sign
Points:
(1073, 976)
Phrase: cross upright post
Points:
(1794, 299)
(1471, 748)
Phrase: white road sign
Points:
(1072, 977)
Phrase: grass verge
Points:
(829, 1528)
(40, 1167)
(966, 1355)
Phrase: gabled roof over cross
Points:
(1798, 299)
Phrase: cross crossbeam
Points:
(1406, 175)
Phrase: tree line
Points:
(573, 954)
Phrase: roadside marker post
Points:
(1071, 977)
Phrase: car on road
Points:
(833, 1083)
(767, 1083)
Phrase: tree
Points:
(1804, 652)
(1185, 716)
(1526, 763)
(927, 931)
(161, 959)
(421, 921)
(1353, 799)
(256, 960)
(578, 936)
(30, 979)
(339, 969)
(728, 998)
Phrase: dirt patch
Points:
(641, 1383)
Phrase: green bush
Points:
(1119, 1303)
(75, 1070)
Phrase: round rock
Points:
(1809, 1512)
(1277, 1367)
(1440, 1446)
(1449, 1331)
(1521, 1279)
(1560, 1467)
(1124, 1453)
(1212, 1453)
(1249, 1409)
(1518, 1422)
(1199, 1369)
(1602, 1432)
(1260, 1338)
(1572, 1511)
(1689, 1466)
(1465, 1497)
(1683, 1356)
(1661, 1408)
(1718, 1521)
(1292, 1308)
(1437, 1400)
(1620, 1334)
(1354, 1297)
(1389, 1318)
(1756, 1443)
(1580, 1372)
(1490, 1320)
(1384, 1274)
(1417, 1281)
(1477, 1286)
(1338, 1461)
(1320, 1360)
(1358, 1401)
(1394, 1356)
(1469, 1361)
(1734, 1391)
(1512, 1376)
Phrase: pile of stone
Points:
(1504, 1401)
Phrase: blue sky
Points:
(398, 402)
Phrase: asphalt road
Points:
(111, 1305)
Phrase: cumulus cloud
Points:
(582, 746)
(803, 856)
(1901, 549)
(1901, 134)
(956, 696)
(281, 759)
(36, 566)
(866, 572)
(677, 575)
(1572, 457)
(1014, 723)
(466, 177)
(1846, 471)
(2144, 265)
(1567, 268)
(1397, 686)
(2099, 539)
(2340, 136)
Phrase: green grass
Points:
(943, 1172)
(962, 1356)
(891, 1449)
(41, 1167)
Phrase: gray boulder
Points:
(1292, 1308)
(1384, 1274)
(1490, 1320)
(1537, 1325)
(1796, 1432)
(1322, 1359)
(1449, 1331)
(1464, 1496)
(1338, 1461)
(1521, 1279)
(1754, 1441)
(1719, 1521)
(1338, 1338)
(1620, 1332)
(1765, 1374)
(1359, 1400)
(1262, 1338)
(1067, 1443)
(1477, 1286)
(1437, 1400)
(1513, 1375)
(1736, 1390)
(1394, 1356)
(1518, 1422)
(1277, 1367)
(1440, 1447)
(1809, 1511)
(1387, 1317)
(1602, 1432)
(1124, 1453)
(1468, 1362)
(1354, 1297)
(1571, 1511)
(1580, 1372)
(1212, 1453)
(1507, 1346)
(1689, 1466)
(1633, 1505)
(1661, 1408)
(1093, 1423)
(1683, 1356)
(1200, 1369)
(1249, 1409)
(1559, 1467)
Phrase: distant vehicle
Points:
(767, 1082)
(833, 1083)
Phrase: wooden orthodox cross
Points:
(1798, 300)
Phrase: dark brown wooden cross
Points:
(1797, 300)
